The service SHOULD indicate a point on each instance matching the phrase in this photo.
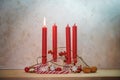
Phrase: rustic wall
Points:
(98, 24)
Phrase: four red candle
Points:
(68, 45)
(74, 43)
(54, 42)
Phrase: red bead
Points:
(26, 69)
(78, 71)
(61, 53)
(50, 52)
(58, 69)
(79, 68)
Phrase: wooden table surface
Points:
(100, 74)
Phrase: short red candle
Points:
(54, 42)
(74, 43)
(44, 45)
(68, 45)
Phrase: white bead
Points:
(52, 68)
(74, 68)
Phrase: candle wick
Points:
(74, 24)
(68, 25)
(54, 24)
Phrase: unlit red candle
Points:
(68, 45)
(74, 43)
(54, 42)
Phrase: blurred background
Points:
(21, 23)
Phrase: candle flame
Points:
(44, 22)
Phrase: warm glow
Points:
(44, 23)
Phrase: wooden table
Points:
(21, 75)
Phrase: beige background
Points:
(98, 24)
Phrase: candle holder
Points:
(52, 67)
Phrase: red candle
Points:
(44, 43)
(54, 42)
(68, 45)
(74, 43)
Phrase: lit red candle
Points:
(74, 43)
(54, 42)
(68, 45)
(44, 43)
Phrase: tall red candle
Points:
(74, 43)
(68, 45)
(44, 43)
(54, 42)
